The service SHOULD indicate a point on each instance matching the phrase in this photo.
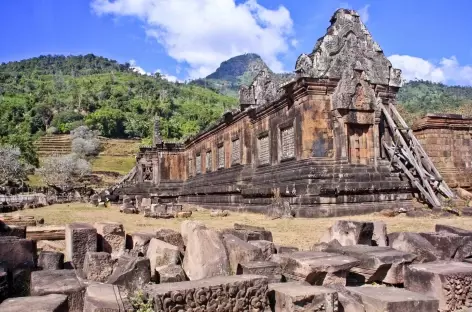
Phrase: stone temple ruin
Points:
(328, 142)
(355, 267)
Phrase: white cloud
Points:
(364, 13)
(203, 33)
(137, 68)
(168, 77)
(448, 70)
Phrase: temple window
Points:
(221, 156)
(208, 161)
(236, 152)
(263, 149)
(288, 142)
(198, 164)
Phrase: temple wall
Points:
(447, 139)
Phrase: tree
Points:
(85, 142)
(63, 171)
(12, 168)
(109, 121)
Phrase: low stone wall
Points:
(447, 139)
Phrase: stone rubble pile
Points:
(356, 267)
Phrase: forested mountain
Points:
(237, 71)
(59, 93)
(419, 97)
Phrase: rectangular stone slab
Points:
(316, 268)
(391, 299)
(296, 297)
(377, 264)
(80, 238)
(234, 293)
(266, 268)
(48, 303)
(445, 280)
(103, 297)
(59, 282)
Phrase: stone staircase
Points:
(53, 144)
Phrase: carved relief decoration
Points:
(263, 150)
(208, 161)
(198, 164)
(221, 156)
(147, 172)
(236, 152)
(288, 142)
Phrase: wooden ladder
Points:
(407, 154)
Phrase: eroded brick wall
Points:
(447, 139)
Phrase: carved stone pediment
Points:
(348, 46)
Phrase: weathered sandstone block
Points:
(104, 298)
(111, 237)
(80, 238)
(452, 230)
(161, 253)
(51, 260)
(379, 235)
(171, 273)
(188, 227)
(139, 241)
(377, 264)
(63, 282)
(172, 237)
(295, 297)
(316, 268)
(48, 303)
(130, 273)
(285, 249)
(414, 243)
(240, 251)
(225, 293)
(265, 268)
(349, 233)
(17, 253)
(267, 248)
(449, 245)
(98, 266)
(450, 282)
(391, 299)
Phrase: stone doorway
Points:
(358, 145)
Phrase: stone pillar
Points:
(80, 238)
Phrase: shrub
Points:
(52, 130)
(85, 142)
(11, 166)
(64, 170)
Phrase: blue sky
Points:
(189, 38)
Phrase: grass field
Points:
(299, 232)
(120, 164)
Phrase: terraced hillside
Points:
(53, 144)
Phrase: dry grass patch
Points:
(299, 232)
(120, 164)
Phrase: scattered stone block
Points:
(285, 249)
(377, 264)
(17, 253)
(349, 233)
(80, 238)
(12, 230)
(104, 298)
(265, 268)
(449, 245)
(295, 297)
(234, 293)
(48, 303)
(183, 214)
(129, 210)
(158, 208)
(63, 282)
(98, 266)
(219, 213)
(240, 251)
(262, 232)
(316, 268)
(205, 253)
(348, 303)
(170, 236)
(267, 248)
(130, 273)
(149, 214)
(188, 227)
(452, 230)
(4, 287)
(145, 203)
(391, 299)
(111, 237)
(171, 273)
(139, 241)
(414, 243)
(379, 235)
(161, 253)
(445, 280)
(51, 260)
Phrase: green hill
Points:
(63, 92)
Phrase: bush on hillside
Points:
(85, 142)
(65, 170)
